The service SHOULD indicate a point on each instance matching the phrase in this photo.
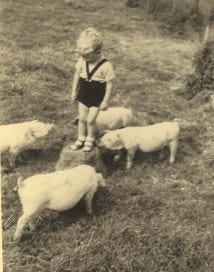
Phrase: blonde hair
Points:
(89, 40)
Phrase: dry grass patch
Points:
(154, 217)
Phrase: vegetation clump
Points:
(203, 76)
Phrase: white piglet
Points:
(112, 118)
(14, 138)
(60, 190)
(147, 139)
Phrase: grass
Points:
(154, 217)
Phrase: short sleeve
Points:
(79, 65)
(109, 71)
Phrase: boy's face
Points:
(91, 56)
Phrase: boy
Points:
(92, 86)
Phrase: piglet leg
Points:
(173, 149)
(89, 197)
(22, 222)
(130, 157)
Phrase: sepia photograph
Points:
(107, 135)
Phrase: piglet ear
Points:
(19, 181)
(32, 133)
(119, 142)
(103, 133)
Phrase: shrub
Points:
(203, 76)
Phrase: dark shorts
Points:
(91, 93)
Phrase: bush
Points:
(203, 76)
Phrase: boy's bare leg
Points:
(91, 120)
(82, 125)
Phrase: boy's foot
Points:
(88, 146)
(77, 145)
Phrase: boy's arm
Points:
(74, 86)
(105, 102)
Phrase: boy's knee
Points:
(83, 120)
(91, 122)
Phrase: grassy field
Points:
(154, 217)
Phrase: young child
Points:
(92, 85)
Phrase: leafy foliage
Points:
(203, 76)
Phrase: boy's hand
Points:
(73, 97)
(103, 106)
